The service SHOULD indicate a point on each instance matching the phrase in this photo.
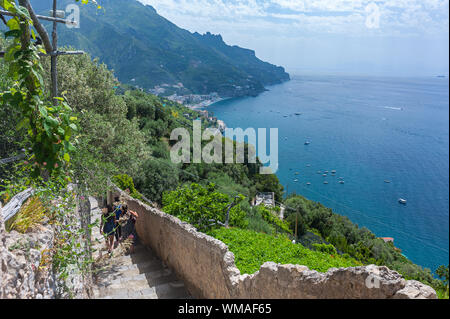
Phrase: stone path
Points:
(140, 275)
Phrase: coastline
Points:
(207, 103)
(362, 212)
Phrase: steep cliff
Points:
(146, 49)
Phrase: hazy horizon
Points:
(389, 37)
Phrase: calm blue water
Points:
(368, 129)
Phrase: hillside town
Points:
(178, 93)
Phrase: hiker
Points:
(107, 226)
(129, 230)
(118, 213)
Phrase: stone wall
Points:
(21, 256)
(26, 270)
(207, 267)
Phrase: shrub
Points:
(328, 249)
(123, 181)
(31, 213)
(270, 217)
(257, 223)
(157, 176)
(252, 249)
(202, 206)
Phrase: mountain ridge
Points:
(147, 50)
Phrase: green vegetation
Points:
(123, 181)
(270, 215)
(349, 239)
(203, 207)
(123, 133)
(442, 290)
(252, 249)
(31, 213)
(49, 126)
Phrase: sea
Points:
(386, 137)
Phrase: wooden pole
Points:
(54, 58)
(296, 221)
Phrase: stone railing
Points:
(208, 270)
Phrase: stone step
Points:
(159, 277)
(153, 267)
(137, 258)
(134, 272)
(141, 275)
(170, 290)
(122, 289)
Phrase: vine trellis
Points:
(51, 48)
(50, 124)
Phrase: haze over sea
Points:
(368, 129)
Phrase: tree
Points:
(108, 142)
(443, 273)
(50, 127)
(157, 176)
(269, 183)
(297, 218)
(202, 207)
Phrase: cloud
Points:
(397, 17)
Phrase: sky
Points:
(386, 37)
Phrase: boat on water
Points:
(340, 177)
(319, 172)
(307, 142)
(324, 175)
(333, 171)
(325, 182)
(326, 172)
(297, 113)
(308, 165)
(387, 181)
(308, 183)
(402, 201)
(295, 180)
(341, 182)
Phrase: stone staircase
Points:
(140, 275)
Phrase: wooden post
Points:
(296, 221)
(54, 57)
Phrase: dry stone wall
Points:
(207, 267)
(26, 270)
(21, 274)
